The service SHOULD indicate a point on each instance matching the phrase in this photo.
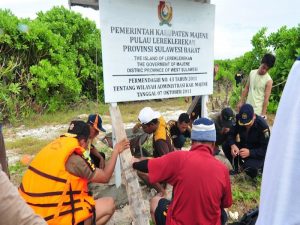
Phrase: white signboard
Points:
(156, 49)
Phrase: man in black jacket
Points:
(248, 141)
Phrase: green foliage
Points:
(286, 44)
(226, 71)
(272, 107)
(245, 192)
(16, 172)
(47, 63)
(260, 45)
(235, 96)
(17, 168)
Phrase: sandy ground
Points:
(51, 132)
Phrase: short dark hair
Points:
(79, 129)
(269, 60)
(184, 117)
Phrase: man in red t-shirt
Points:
(201, 184)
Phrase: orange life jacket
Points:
(52, 192)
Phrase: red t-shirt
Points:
(201, 185)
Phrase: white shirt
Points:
(257, 87)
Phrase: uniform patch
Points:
(88, 160)
(244, 116)
(266, 133)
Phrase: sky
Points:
(236, 21)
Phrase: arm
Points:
(189, 131)
(141, 166)
(267, 96)
(104, 175)
(231, 138)
(161, 147)
(232, 141)
(95, 152)
(136, 127)
(260, 152)
(219, 134)
(244, 95)
(227, 196)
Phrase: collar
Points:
(202, 147)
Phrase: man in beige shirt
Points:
(13, 209)
(258, 88)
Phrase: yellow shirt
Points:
(257, 86)
(161, 132)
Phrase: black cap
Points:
(79, 128)
(245, 115)
(227, 117)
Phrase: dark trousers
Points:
(197, 110)
(161, 211)
(251, 166)
(224, 217)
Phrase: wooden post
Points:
(137, 206)
(193, 105)
(118, 177)
(204, 112)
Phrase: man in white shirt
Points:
(259, 86)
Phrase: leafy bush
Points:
(235, 96)
(47, 63)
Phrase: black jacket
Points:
(256, 139)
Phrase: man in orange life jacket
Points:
(55, 184)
